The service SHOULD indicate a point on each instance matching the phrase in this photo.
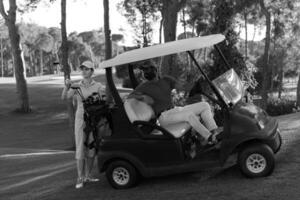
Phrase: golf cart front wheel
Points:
(121, 174)
(256, 161)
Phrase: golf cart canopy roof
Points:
(163, 50)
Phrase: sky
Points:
(82, 15)
(86, 15)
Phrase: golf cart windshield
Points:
(230, 87)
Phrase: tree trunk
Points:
(265, 82)
(108, 52)
(246, 33)
(2, 66)
(298, 90)
(252, 46)
(41, 62)
(10, 21)
(32, 69)
(169, 12)
(189, 65)
(64, 42)
(36, 64)
(144, 31)
(160, 31)
(281, 75)
(66, 68)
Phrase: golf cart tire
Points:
(256, 160)
(121, 174)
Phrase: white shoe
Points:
(79, 183)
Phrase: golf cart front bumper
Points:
(275, 140)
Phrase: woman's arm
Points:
(101, 90)
(67, 92)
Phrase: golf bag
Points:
(96, 112)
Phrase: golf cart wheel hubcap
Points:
(256, 163)
(121, 175)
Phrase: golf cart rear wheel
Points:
(256, 161)
(121, 174)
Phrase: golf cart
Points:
(143, 148)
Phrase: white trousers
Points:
(191, 114)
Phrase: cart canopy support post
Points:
(222, 56)
(112, 87)
(132, 76)
(208, 80)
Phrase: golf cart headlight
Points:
(261, 124)
(260, 121)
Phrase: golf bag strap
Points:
(79, 92)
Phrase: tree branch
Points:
(263, 8)
(2, 11)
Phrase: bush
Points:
(285, 105)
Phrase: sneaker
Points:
(79, 183)
(212, 139)
(91, 179)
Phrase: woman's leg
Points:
(89, 161)
(178, 114)
(203, 110)
(80, 167)
(89, 166)
(79, 154)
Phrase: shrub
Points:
(285, 105)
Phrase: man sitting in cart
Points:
(156, 92)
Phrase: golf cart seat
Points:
(177, 130)
(140, 111)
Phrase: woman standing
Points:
(84, 156)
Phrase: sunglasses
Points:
(85, 69)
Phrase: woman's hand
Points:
(68, 83)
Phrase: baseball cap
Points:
(87, 64)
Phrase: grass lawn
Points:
(47, 126)
(53, 176)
